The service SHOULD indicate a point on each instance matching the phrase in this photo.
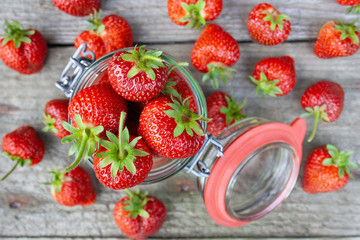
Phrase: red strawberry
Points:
(138, 74)
(223, 111)
(274, 76)
(139, 216)
(337, 39)
(72, 188)
(126, 162)
(92, 110)
(267, 25)
(327, 170)
(193, 13)
(325, 101)
(170, 128)
(183, 89)
(111, 34)
(22, 146)
(23, 50)
(348, 2)
(55, 112)
(78, 8)
(214, 52)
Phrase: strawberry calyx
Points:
(319, 112)
(194, 14)
(14, 32)
(339, 160)
(145, 60)
(216, 69)
(86, 140)
(354, 9)
(276, 20)
(49, 123)
(58, 179)
(120, 151)
(18, 161)
(169, 89)
(233, 110)
(96, 24)
(135, 205)
(348, 31)
(266, 86)
(185, 119)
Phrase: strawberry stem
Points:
(348, 31)
(96, 25)
(268, 87)
(319, 112)
(354, 9)
(194, 14)
(12, 169)
(86, 140)
(121, 127)
(79, 156)
(18, 161)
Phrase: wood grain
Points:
(150, 21)
(31, 212)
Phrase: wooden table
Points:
(26, 206)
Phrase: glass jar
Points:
(243, 174)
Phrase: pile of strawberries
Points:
(143, 108)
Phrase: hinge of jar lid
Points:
(203, 170)
(78, 63)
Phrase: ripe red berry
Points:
(274, 76)
(267, 25)
(72, 188)
(327, 170)
(55, 112)
(139, 216)
(78, 8)
(23, 146)
(23, 50)
(323, 100)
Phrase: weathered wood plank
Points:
(150, 21)
(105, 238)
(30, 210)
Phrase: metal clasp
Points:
(203, 170)
(67, 82)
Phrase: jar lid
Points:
(257, 172)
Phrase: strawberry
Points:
(78, 8)
(108, 35)
(267, 25)
(137, 74)
(214, 52)
(194, 13)
(170, 128)
(126, 162)
(274, 76)
(139, 216)
(337, 39)
(348, 2)
(325, 101)
(92, 110)
(223, 111)
(22, 50)
(23, 146)
(72, 188)
(327, 170)
(55, 112)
